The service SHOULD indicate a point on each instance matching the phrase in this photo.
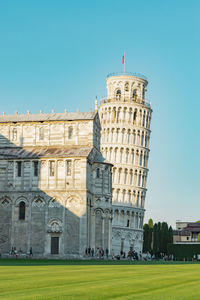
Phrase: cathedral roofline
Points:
(67, 116)
(43, 152)
(132, 74)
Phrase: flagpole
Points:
(124, 62)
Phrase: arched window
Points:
(123, 133)
(134, 94)
(123, 195)
(134, 137)
(14, 134)
(121, 155)
(147, 122)
(117, 198)
(110, 153)
(131, 177)
(118, 95)
(22, 208)
(115, 155)
(125, 175)
(108, 134)
(143, 92)
(127, 155)
(144, 160)
(138, 198)
(119, 176)
(145, 141)
(139, 179)
(97, 173)
(41, 133)
(70, 133)
(142, 180)
(117, 135)
(112, 133)
(132, 156)
(126, 87)
(141, 159)
(113, 177)
(128, 136)
(142, 139)
(129, 196)
(128, 223)
(143, 120)
(135, 115)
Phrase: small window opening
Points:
(134, 94)
(70, 133)
(14, 134)
(41, 133)
(118, 95)
(126, 87)
(143, 93)
(69, 167)
(98, 173)
(19, 168)
(35, 168)
(22, 208)
(52, 168)
(135, 115)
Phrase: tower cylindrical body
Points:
(125, 120)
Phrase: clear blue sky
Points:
(56, 55)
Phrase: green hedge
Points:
(183, 251)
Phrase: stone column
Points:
(47, 172)
(103, 225)
(92, 239)
(31, 174)
(110, 234)
(62, 236)
(56, 173)
(29, 223)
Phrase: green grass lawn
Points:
(98, 280)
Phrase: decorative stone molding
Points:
(38, 202)
(54, 226)
(54, 203)
(5, 202)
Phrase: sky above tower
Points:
(56, 55)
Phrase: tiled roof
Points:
(100, 159)
(68, 116)
(39, 152)
(191, 227)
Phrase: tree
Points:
(159, 237)
(150, 223)
(147, 244)
(146, 238)
(198, 238)
(164, 237)
(155, 238)
(170, 235)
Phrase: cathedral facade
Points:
(76, 181)
(125, 120)
(55, 186)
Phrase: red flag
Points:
(123, 58)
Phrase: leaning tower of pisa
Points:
(125, 120)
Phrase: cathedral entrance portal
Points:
(54, 245)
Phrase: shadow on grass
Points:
(43, 262)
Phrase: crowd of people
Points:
(14, 253)
(99, 253)
(131, 255)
